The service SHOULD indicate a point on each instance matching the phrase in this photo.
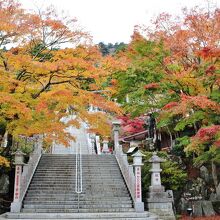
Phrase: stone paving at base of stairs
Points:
(84, 216)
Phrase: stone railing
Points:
(131, 173)
(127, 171)
(30, 167)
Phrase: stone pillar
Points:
(98, 144)
(105, 149)
(159, 201)
(19, 163)
(92, 138)
(137, 163)
(116, 128)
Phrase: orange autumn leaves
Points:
(40, 83)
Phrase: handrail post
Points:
(78, 184)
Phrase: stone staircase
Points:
(51, 194)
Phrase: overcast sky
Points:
(113, 21)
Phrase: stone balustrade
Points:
(127, 172)
(132, 179)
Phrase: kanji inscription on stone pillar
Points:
(138, 184)
(18, 172)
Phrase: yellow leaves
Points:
(10, 107)
(18, 61)
(110, 63)
(102, 103)
(4, 162)
(99, 123)
(39, 83)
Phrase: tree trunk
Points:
(7, 149)
(171, 138)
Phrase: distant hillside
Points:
(110, 48)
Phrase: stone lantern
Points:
(19, 157)
(116, 125)
(137, 163)
(105, 149)
(159, 201)
(137, 158)
(155, 173)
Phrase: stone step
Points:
(73, 155)
(70, 169)
(72, 190)
(48, 198)
(85, 161)
(40, 179)
(73, 168)
(71, 184)
(73, 162)
(75, 206)
(76, 210)
(69, 187)
(92, 192)
(84, 178)
(112, 180)
(84, 172)
(72, 199)
(90, 197)
(85, 216)
(73, 202)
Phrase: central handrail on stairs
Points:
(78, 185)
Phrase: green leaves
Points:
(172, 176)
(213, 154)
(190, 120)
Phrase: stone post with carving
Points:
(116, 129)
(137, 163)
(19, 163)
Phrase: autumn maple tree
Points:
(174, 71)
(41, 82)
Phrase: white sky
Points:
(113, 21)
